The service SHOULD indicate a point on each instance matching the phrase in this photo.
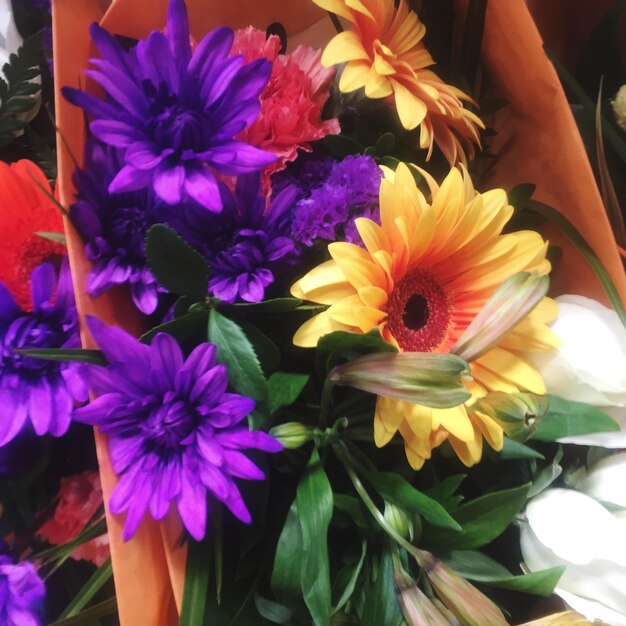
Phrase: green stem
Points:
(327, 392)
(335, 20)
(346, 460)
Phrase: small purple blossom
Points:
(246, 245)
(175, 111)
(21, 593)
(114, 227)
(327, 206)
(174, 431)
(35, 389)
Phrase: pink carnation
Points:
(80, 497)
(293, 100)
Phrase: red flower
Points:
(80, 496)
(24, 210)
(293, 100)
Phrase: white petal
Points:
(607, 480)
(591, 609)
(575, 527)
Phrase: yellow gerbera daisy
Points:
(384, 54)
(424, 274)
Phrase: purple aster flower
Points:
(174, 431)
(21, 593)
(174, 111)
(114, 227)
(327, 207)
(248, 244)
(35, 389)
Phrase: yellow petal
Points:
(325, 284)
(310, 332)
(338, 7)
(357, 265)
(374, 297)
(376, 85)
(490, 429)
(513, 369)
(346, 46)
(455, 421)
(387, 420)
(354, 76)
(469, 452)
(411, 109)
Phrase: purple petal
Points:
(40, 406)
(130, 178)
(43, 282)
(115, 132)
(169, 181)
(15, 408)
(145, 297)
(242, 438)
(213, 47)
(116, 344)
(8, 309)
(62, 412)
(240, 466)
(166, 359)
(209, 447)
(96, 412)
(201, 185)
(109, 47)
(178, 32)
(210, 386)
(143, 156)
(237, 157)
(191, 502)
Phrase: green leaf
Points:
(88, 616)
(175, 264)
(385, 144)
(54, 237)
(566, 418)
(353, 507)
(482, 519)
(272, 611)
(266, 350)
(341, 346)
(277, 305)
(342, 146)
(611, 134)
(62, 552)
(283, 389)
(285, 582)
(182, 328)
(547, 475)
(572, 233)
(396, 490)
(197, 576)
(478, 567)
(314, 497)
(445, 492)
(236, 352)
(89, 590)
(71, 355)
(349, 589)
(381, 606)
(514, 450)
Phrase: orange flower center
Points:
(418, 312)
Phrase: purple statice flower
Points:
(21, 593)
(248, 244)
(42, 392)
(326, 211)
(114, 227)
(174, 431)
(174, 111)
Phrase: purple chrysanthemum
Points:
(35, 389)
(328, 206)
(174, 111)
(114, 228)
(21, 593)
(247, 244)
(174, 431)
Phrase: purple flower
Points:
(35, 389)
(114, 227)
(327, 207)
(174, 431)
(176, 112)
(247, 244)
(21, 593)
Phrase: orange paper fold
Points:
(538, 142)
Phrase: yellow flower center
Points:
(418, 312)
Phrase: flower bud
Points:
(399, 520)
(292, 435)
(429, 379)
(463, 600)
(417, 608)
(619, 107)
(516, 413)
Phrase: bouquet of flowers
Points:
(299, 283)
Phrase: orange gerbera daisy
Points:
(423, 276)
(25, 208)
(384, 54)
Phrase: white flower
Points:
(590, 366)
(10, 39)
(567, 527)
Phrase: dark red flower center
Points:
(418, 312)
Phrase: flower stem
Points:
(327, 391)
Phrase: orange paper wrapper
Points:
(538, 142)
